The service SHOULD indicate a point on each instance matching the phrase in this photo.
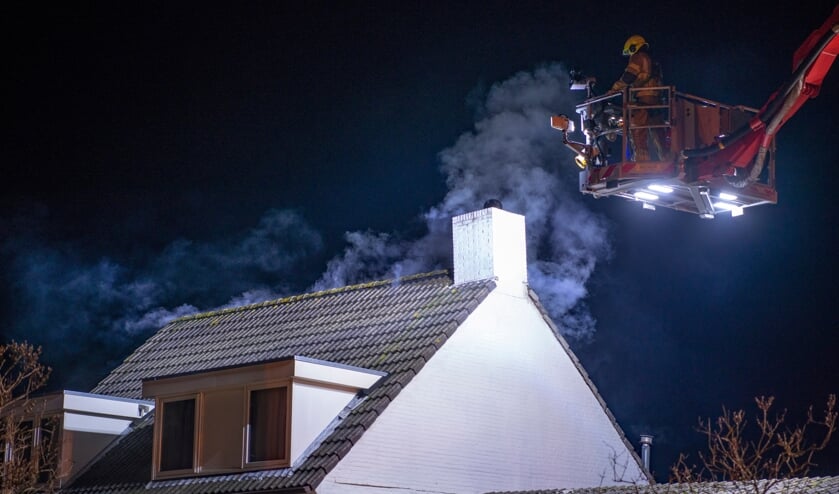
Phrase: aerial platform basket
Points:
(703, 185)
(705, 157)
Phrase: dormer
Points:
(250, 417)
(72, 426)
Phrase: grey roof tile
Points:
(805, 485)
(390, 326)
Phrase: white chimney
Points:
(490, 243)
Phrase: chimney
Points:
(490, 243)
(646, 443)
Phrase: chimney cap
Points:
(493, 203)
(646, 439)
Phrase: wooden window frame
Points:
(197, 467)
(42, 448)
(265, 464)
(158, 437)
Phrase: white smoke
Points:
(75, 307)
(512, 155)
(153, 319)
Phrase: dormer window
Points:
(30, 447)
(178, 426)
(266, 431)
(239, 418)
(218, 416)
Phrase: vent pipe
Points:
(646, 442)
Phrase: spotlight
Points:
(725, 205)
(660, 188)
(645, 196)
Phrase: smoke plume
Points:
(76, 308)
(512, 155)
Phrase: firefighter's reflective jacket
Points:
(640, 72)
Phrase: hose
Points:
(780, 102)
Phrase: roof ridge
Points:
(305, 296)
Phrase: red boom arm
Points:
(747, 147)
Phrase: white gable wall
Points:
(500, 406)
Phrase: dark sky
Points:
(163, 158)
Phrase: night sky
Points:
(164, 158)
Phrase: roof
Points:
(391, 326)
(375, 326)
(807, 485)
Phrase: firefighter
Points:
(641, 72)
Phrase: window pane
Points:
(267, 424)
(178, 436)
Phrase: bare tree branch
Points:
(29, 440)
(761, 455)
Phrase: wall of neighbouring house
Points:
(78, 448)
(500, 406)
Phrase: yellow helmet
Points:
(633, 44)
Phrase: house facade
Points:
(427, 383)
